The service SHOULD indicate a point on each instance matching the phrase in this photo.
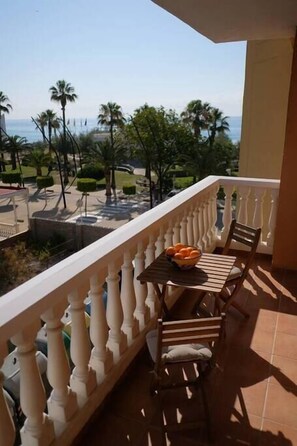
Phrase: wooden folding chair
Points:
(247, 236)
(177, 343)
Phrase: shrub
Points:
(14, 176)
(101, 186)
(44, 182)
(91, 171)
(86, 185)
(129, 189)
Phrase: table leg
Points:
(161, 293)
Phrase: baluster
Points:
(7, 429)
(83, 378)
(200, 226)
(151, 299)
(142, 312)
(183, 231)
(213, 216)
(117, 340)
(272, 217)
(195, 226)
(243, 193)
(258, 210)
(38, 429)
(227, 213)
(190, 233)
(207, 221)
(176, 232)
(160, 243)
(101, 357)
(62, 403)
(169, 235)
(130, 324)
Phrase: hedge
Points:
(129, 189)
(14, 176)
(44, 182)
(86, 185)
(91, 171)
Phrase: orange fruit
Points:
(170, 251)
(194, 253)
(178, 255)
(179, 246)
(184, 251)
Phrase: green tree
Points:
(37, 158)
(14, 145)
(63, 92)
(217, 124)
(5, 107)
(111, 116)
(196, 114)
(42, 123)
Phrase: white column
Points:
(130, 323)
(272, 217)
(190, 232)
(202, 238)
(200, 226)
(169, 235)
(117, 340)
(227, 214)
(38, 429)
(213, 216)
(176, 232)
(195, 227)
(183, 231)
(62, 403)
(142, 312)
(151, 299)
(7, 429)
(83, 378)
(207, 222)
(243, 194)
(101, 357)
(258, 210)
(160, 243)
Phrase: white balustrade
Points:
(101, 357)
(117, 341)
(142, 312)
(38, 429)
(118, 332)
(83, 377)
(62, 403)
(130, 324)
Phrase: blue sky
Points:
(130, 52)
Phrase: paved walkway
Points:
(109, 212)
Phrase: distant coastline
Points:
(26, 128)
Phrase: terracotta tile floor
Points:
(252, 395)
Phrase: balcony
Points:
(101, 354)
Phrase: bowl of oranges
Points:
(183, 256)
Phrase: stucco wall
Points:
(267, 82)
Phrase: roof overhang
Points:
(236, 20)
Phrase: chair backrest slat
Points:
(189, 323)
(201, 339)
(191, 331)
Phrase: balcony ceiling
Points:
(235, 20)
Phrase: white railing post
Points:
(227, 214)
(190, 231)
(169, 235)
(258, 209)
(38, 429)
(176, 231)
(151, 299)
(117, 340)
(213, 216)
(130, 324)
(160, 242)
(142, 312)
(272, 217)
(195, 226)
(183, 231)
(83, 378)
(7, 429)
(243, 193)
(101, 357)
(62, 403)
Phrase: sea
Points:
(27, 129)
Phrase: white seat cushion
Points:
(178, 353)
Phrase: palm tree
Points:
(218, 124)
(196, 114)
(37, 158)
(52, 122)
(63, 92)
(14, 145)
(5, 107)
(111, 115)
(42, 123)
